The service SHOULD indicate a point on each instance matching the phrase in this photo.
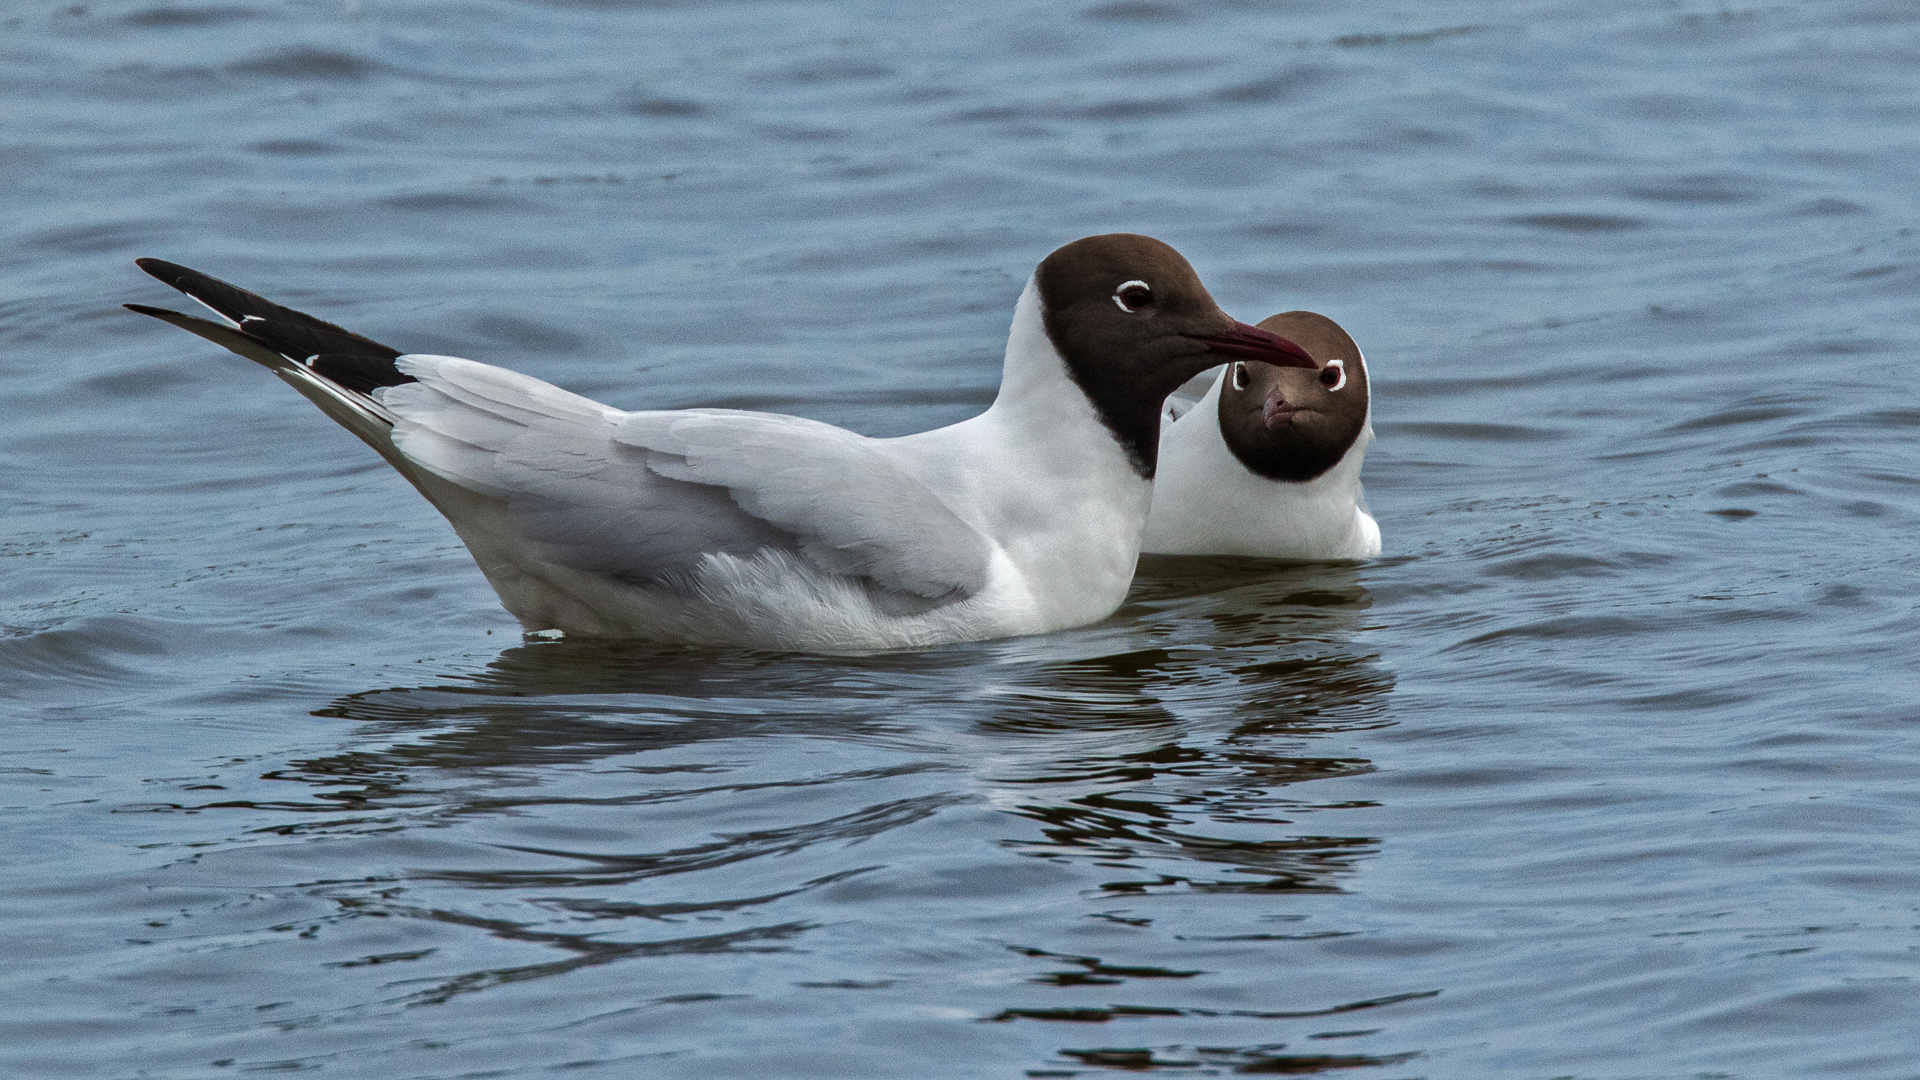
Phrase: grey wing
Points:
(851, 509)
(561, 489)
(643, 497)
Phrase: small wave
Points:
(307, 62)
(171, 16)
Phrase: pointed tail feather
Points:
(239, 305)
(293, 334)
(350, 407)
(331, 366)
(339, 371)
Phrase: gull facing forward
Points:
(1268, 462)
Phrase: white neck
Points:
(1034, 380)
(1041, 472)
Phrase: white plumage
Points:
(722, 526)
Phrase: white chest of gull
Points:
(724, 527)
(1267, 463)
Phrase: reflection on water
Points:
(599, 793)
(1254, 1060)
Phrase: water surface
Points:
(1605, 770)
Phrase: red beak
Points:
(1245, 342)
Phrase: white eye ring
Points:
(1334, 365)
(1240, 378)
(1124, 286)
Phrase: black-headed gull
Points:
(1268, 462)
(718, 526)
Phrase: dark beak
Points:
(1245, 342)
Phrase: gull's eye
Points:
(1334, 375)
(1240, 378)
(1132, 296)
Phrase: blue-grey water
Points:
(1609, 769)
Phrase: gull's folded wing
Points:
(644, 496)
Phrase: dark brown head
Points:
(1289, 423)
(1132, 321)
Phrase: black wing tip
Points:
(205, 288)
(239, 306)
(194, 282)
(357, 372)
(164, 270)
(148, 309)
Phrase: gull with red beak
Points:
(1267, 463)
(723, 527)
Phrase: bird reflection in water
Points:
(589, 795)
(1126, 754)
